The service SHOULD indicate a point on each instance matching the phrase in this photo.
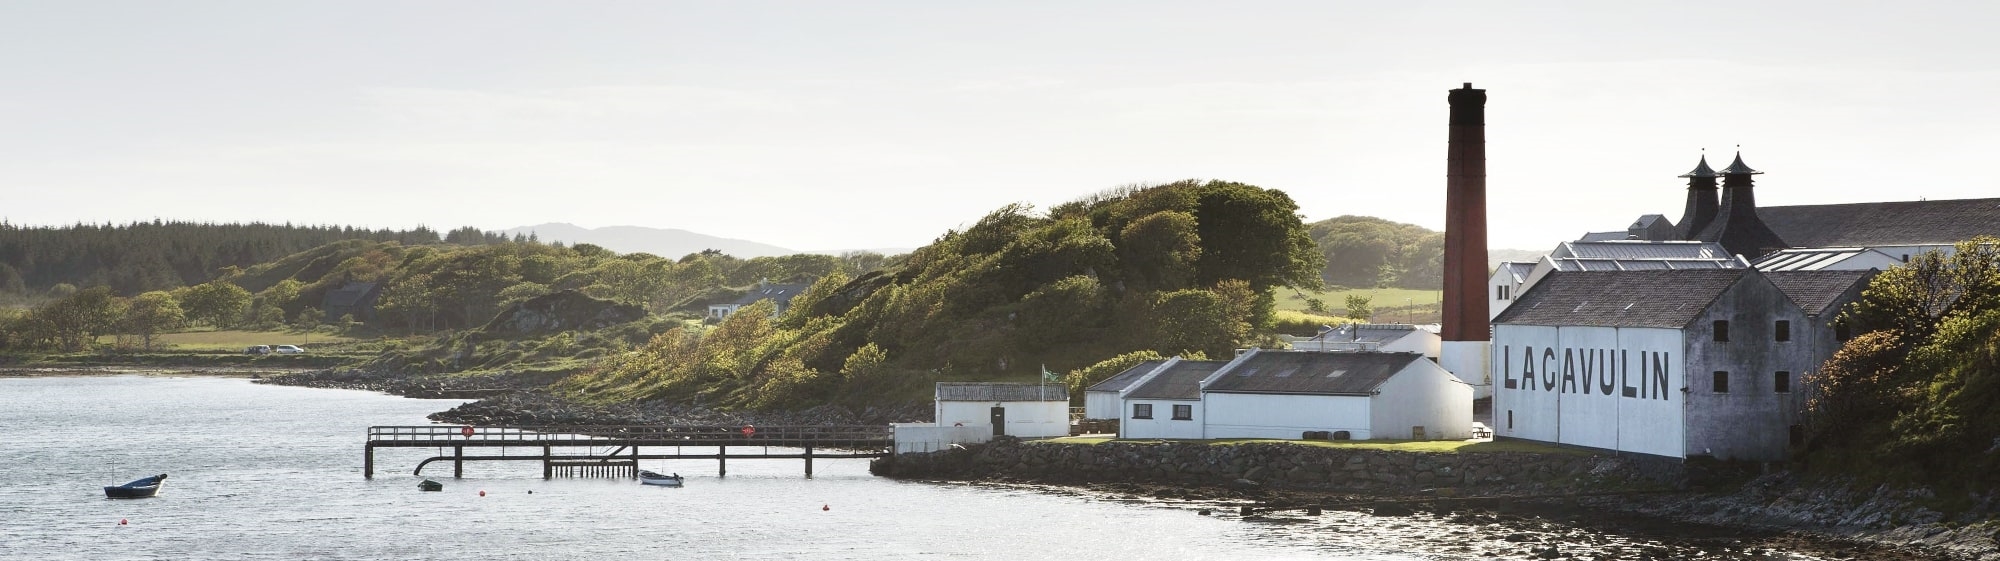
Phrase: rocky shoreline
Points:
(1504, 491)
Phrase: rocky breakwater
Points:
(1287, 466)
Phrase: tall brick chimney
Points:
(1465, 311)
(1465, 348)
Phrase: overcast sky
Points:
(833, 125)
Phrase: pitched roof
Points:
(1305, 372)
(1817, 259)
(349, 295)
(1366, 333)
(782, 293)
(1181, 380)
(1118, 382)
(1576, 264)
(1890, 223)
(1620, 298)
(995, 391)
(1605, 236)
(1639, 249)
(1518, 271)
(1816, 291)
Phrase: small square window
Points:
(1721, 381)
(1783, 331)
(1721, 331)
(1781, 382)
(1142, 410)
(1183, 412)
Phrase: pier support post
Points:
(368, 461)
(722, 461)
(548, 464)
(809, 461)
(457, 462)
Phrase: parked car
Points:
(258, 350)
(288, 350)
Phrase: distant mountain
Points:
(664, 242)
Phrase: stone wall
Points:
(1288, 466)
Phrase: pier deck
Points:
(624, 444)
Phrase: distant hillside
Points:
(670, 243)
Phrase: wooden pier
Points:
(615, 450)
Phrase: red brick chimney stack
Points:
(1465, 311)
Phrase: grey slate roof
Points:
(1816, 291)
(1182, 380)
(1878, 224)
(1294, 372)
(1604, 236)
(995, 391)
(1667, 299)
(1518, 270)
(1638, 249)
(1118, 382)
(782, 293)
(347, 295)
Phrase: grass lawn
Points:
(1392, 305)
(237, 340)
(1428, 446)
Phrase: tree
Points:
(75, 321)
(218, 303)
(151, 313)
(1255, 235)
(308, 320)
(1192, 320)
(1359, 308)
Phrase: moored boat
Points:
(651, 478)
(137, 489)
(429, 485)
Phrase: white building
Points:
(1100, 400)
(1384, 337)
(1357, 395)
(1023, 410)
(1166, 401)
(778, 293)
(1671, 363)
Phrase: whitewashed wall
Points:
(1242, 415)
(1422, 395)
(1024, 418)
(1162, 425)
(1100, 405)
(926, 437)
(1569, 399)
(1467, 360)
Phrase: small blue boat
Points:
(663, 480)
(138, 489)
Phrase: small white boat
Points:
(663, 480)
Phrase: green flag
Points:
(1048, 376)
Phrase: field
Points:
(236, 340)
(1392, 305)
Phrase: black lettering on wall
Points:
(1569, 371)
(1660, 375)
(1527, 368)
(1604, 381)
(1583, 369)
(1625, 372)
(1548, 374)
(1507, 367)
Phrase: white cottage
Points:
(1024, 410)
(1100, 400)
(1671, 363)
(1356, 395)
(1166, 401)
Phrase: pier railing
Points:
(662, 442)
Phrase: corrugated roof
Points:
(1880, 224)
(1639, 249)
(1620, 298)
(1367, 333)
(1576, 264)
(1518, 270)
(995, 391)
(1813, 259)
(1816, 291)
(1295, 372)
(1182, 380)
(1605, 236)
(1117, 382)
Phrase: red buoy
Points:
(467, 431)
(121, 522)
(749, 430)
(482, 493)
(824, 508)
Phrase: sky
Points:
(863, 124)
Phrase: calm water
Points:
(271, 472)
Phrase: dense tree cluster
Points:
(1912, 396)
(1186, 267)
(1365, 252)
